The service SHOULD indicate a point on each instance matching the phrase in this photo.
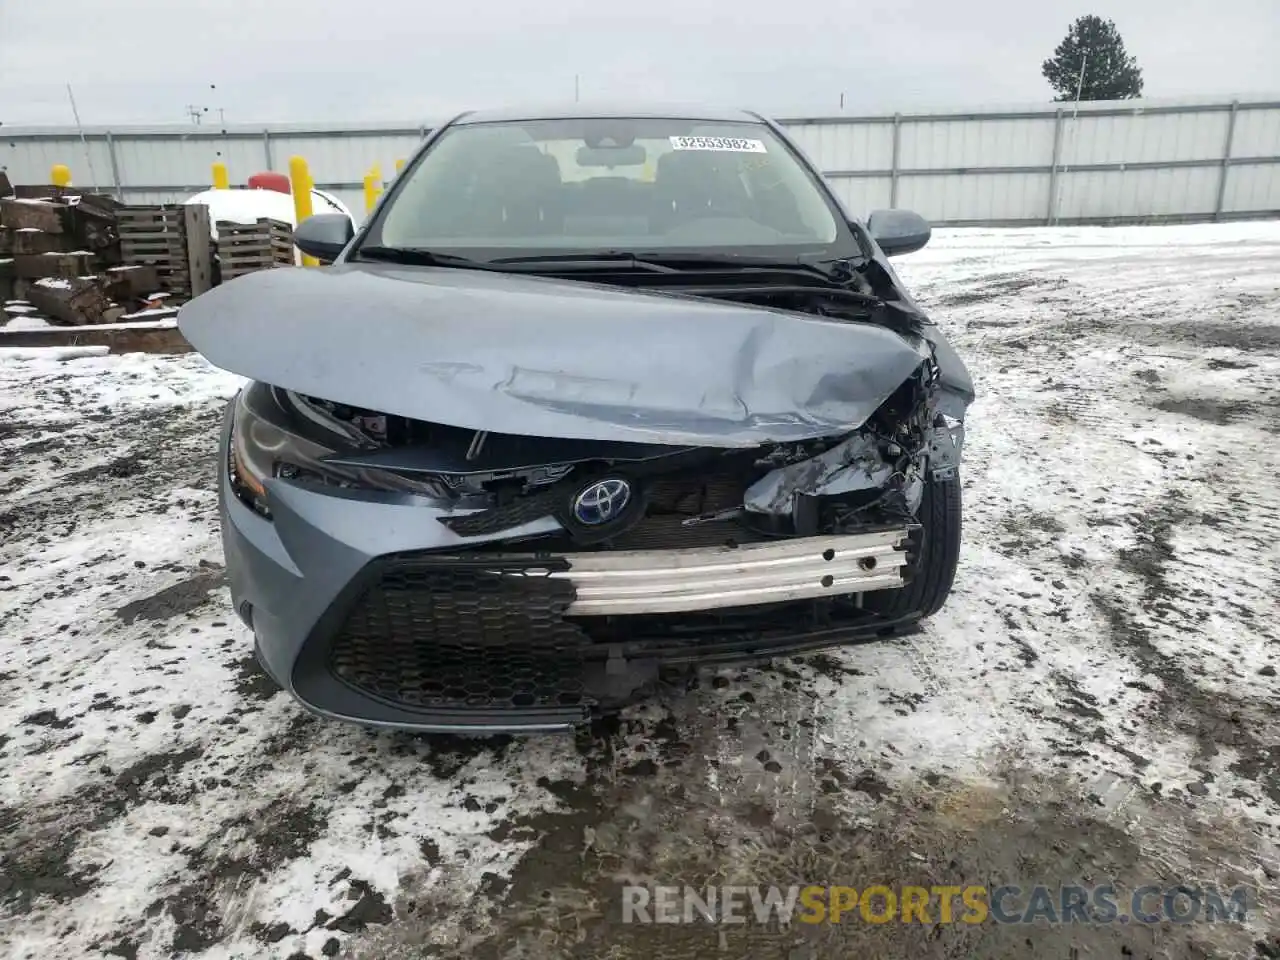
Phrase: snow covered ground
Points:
(1096, 703)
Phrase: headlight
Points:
(262, 447)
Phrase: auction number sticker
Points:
(731, 144)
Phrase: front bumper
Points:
(367, 609)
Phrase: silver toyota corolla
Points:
(592, 394)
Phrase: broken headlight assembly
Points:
(275, 433)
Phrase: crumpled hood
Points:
(543, 357)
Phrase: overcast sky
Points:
(414, 60)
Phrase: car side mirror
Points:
(324, 236)
(899, 231)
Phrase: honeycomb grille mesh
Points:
(431, 635)
(518, 512)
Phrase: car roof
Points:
(681, 111)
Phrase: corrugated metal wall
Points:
(1105, 162)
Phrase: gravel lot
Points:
(1097, 703)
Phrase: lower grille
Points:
(427, 635)
(535, 631)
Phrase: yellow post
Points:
(221, 181)
(400, 165)
(370, 193)
(300, 181)
(60, 175)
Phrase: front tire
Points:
(939, 555)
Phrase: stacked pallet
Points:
(174, 239)
(58, 249)
(249, 247)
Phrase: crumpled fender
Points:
(853, 464)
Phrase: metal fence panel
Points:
(1252, 187)
(150, 163)
(1115, 194)
(29, 160)
(864, 146)
(1144, 138)
(1257, 134)
(978, 198)
(977, 143)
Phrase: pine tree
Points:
(1109, 72)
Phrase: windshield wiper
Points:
(607, 260)
(707, 274)
(835, 272)
(421, 257)
(838, 271)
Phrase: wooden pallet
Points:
(250, 247)
(174, 238)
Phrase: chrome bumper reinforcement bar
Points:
(709, 578)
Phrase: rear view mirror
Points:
(899, 231)
(324, 236)
(631, 156)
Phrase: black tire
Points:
(939, 554)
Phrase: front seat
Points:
(691, 185)
(528, 186)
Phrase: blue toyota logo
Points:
(601, 501)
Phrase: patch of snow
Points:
(151, 312)
(28, 230)
(19, 308)
(54, 283)
(27, 323)
(139, 325)
(51, 354)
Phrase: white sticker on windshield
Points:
(732, 144)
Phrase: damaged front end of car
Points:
(595, 563)
(448, 571)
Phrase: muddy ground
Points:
(1097, 703)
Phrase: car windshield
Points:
(546, 187)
